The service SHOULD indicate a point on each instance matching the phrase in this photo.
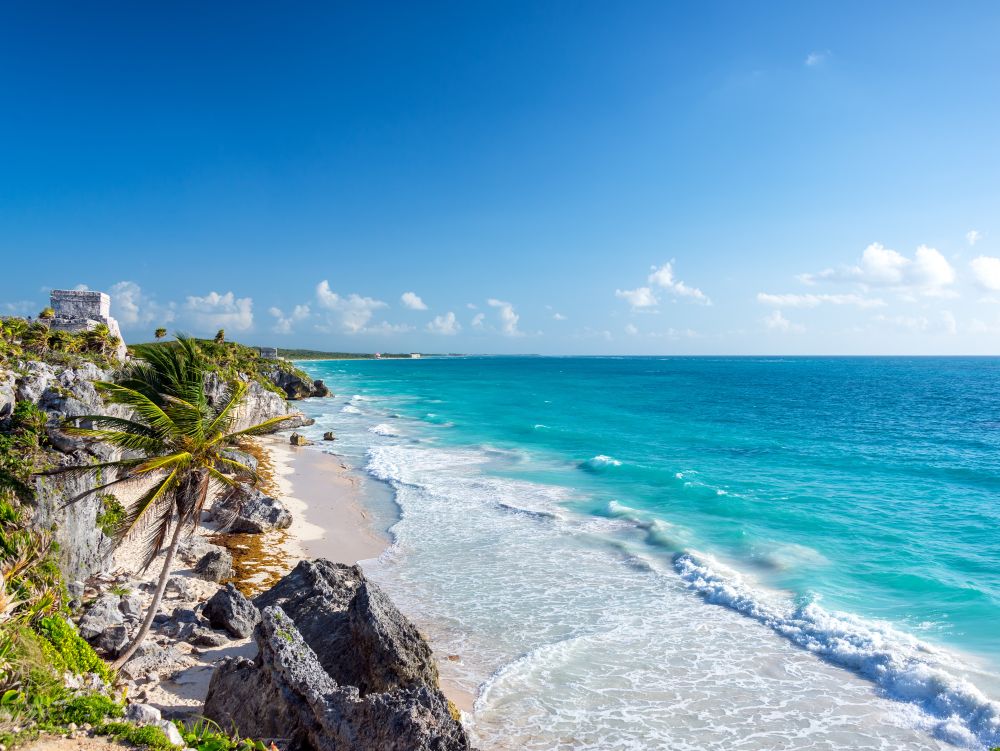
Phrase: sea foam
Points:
(901, 665)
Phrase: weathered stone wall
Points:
(72, 303)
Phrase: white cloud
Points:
(816, 58)
(283, 324)
(447, 325)
(131, 306)
(776, 321)
(508, 318)
(973, 236)
(631, 329)
(813, 301)
(386, 328)
(350, 314)
(928, 273)
(987, 272)
(412, 301)
(221, 311)
(477, 320)
(950, 324)
(641, 297)
(907, 323)
(664, 277)
(558, 317)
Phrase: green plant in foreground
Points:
(70, 651)
(147, 737)
(205, 735)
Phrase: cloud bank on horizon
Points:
(887, 291)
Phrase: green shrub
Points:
(76, 655)
(86, 708)
(205, 735)
(147, 737)
(112, 515)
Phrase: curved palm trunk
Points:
(157, 596)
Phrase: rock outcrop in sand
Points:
(338, 668)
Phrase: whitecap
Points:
(901, 665)
(350, 409)
(384, 429)
(601, 461)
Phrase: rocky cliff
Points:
(68, 391)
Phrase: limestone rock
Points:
(7, 397)
(360, 637)
(286, 693)
(173, 734)
(294, 386)
(206, 637)
(195, 548)
(229, 609)
(112, 640)
(246, 509)
(329, 436)
(142, 714)
(103, 614)
(215, 566)
(150, 658)
(247, 460)
(296, 439)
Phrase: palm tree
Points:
(175, 443)
(220, 336)
(160, 333)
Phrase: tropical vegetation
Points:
(176, 447)
(22, 340)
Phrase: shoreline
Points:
(330, 520)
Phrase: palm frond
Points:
(223, 418)
(150, 412)
(262, 428)
(176, 461)
(121, 439)
(138, 516)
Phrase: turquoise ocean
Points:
(691, 553)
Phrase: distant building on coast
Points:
(415, 355)
(83, 310)
(269, 353)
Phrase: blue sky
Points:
(559, 178)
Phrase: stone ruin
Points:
(83, 310)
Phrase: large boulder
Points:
(358, 634)
(246, 509)
(285, 692)
(229, 609)
(215, 566)
(104, 613)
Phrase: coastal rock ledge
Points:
(338, 668)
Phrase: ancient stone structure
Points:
(269, 353)
(82, 310)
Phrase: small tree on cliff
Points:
(160, 333)
(220, 336)
(174, 443)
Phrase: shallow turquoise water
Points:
(869, 486)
